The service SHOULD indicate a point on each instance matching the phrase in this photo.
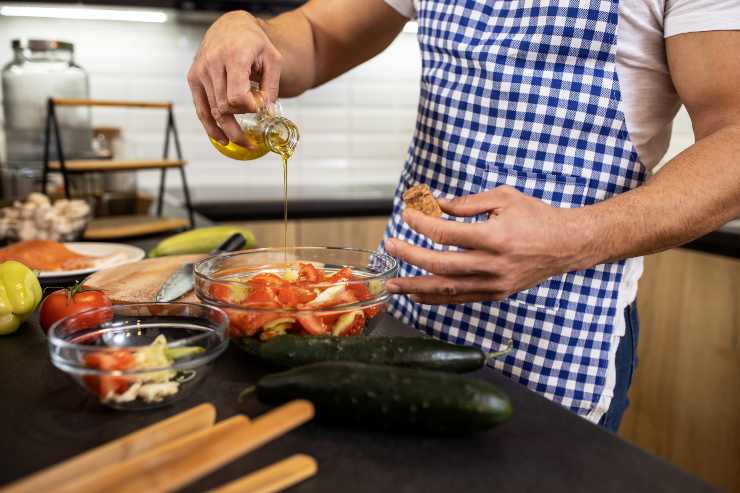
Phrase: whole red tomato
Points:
(65, 302)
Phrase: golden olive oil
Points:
(270, 134)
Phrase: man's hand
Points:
(235, 48)
(523, 242)
(288, 54)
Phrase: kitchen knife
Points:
(181, 281)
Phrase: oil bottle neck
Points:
(281, 135)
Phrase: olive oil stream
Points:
(285, 209)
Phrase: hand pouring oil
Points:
(265, 131)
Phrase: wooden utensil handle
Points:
(273, 478)
(148, 438)
(183, 461)
(115, 475)
(110, 103)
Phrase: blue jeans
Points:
(626, 361)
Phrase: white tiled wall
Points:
(356, 128)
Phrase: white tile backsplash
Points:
(357, 127)
(149, 62)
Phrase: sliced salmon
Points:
(46, 255)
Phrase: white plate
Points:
(119, 254)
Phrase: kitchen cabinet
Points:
(360, 232)
(685, 396)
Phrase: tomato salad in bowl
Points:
(303, 290)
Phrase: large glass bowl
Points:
(111, 351)
(347, 307)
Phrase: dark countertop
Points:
(312, 202)
(46, 418)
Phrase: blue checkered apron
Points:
(524, 93)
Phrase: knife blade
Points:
(181, 281)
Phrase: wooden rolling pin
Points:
(183, 461)
(148, 438)
(273, 478)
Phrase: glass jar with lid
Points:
(41, 69)
(267, 130)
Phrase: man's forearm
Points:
(325, 38)
(292, 35)
(694, 194)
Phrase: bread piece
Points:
(419, 197)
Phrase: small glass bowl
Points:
(88, 346)
(227, 273)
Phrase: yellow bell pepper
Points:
(20, 293)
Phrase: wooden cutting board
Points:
(139, 282)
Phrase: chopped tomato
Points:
(261, 297)
(117, 360)
(105, 385)
(120, 359)
(287, 296)
(312, 324)
(372, 311)
(267, 278)
(345, 298)
(329, 320)
(294, 295)
(360, 291)
(309, 273)
(342, 275)
(232, 294)
(248, 323)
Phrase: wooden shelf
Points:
(114, 227)
(84, 166)
(118, 227)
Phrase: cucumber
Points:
(289, 351)
(387, 397)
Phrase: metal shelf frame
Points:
(60, 166)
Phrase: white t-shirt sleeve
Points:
(689, 16)
(405, 7)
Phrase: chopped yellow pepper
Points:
(20, 293)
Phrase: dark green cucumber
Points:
(289, 351)
(387, 397)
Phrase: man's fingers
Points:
(449, 263)
(454, 300)
(447, 286)
(480, 203)
(203, 110)
(238, 89)
(233, 131)
(271, 67)
(210, 95)
(224, 114)
(445, 232)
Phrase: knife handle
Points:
(233, 243)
